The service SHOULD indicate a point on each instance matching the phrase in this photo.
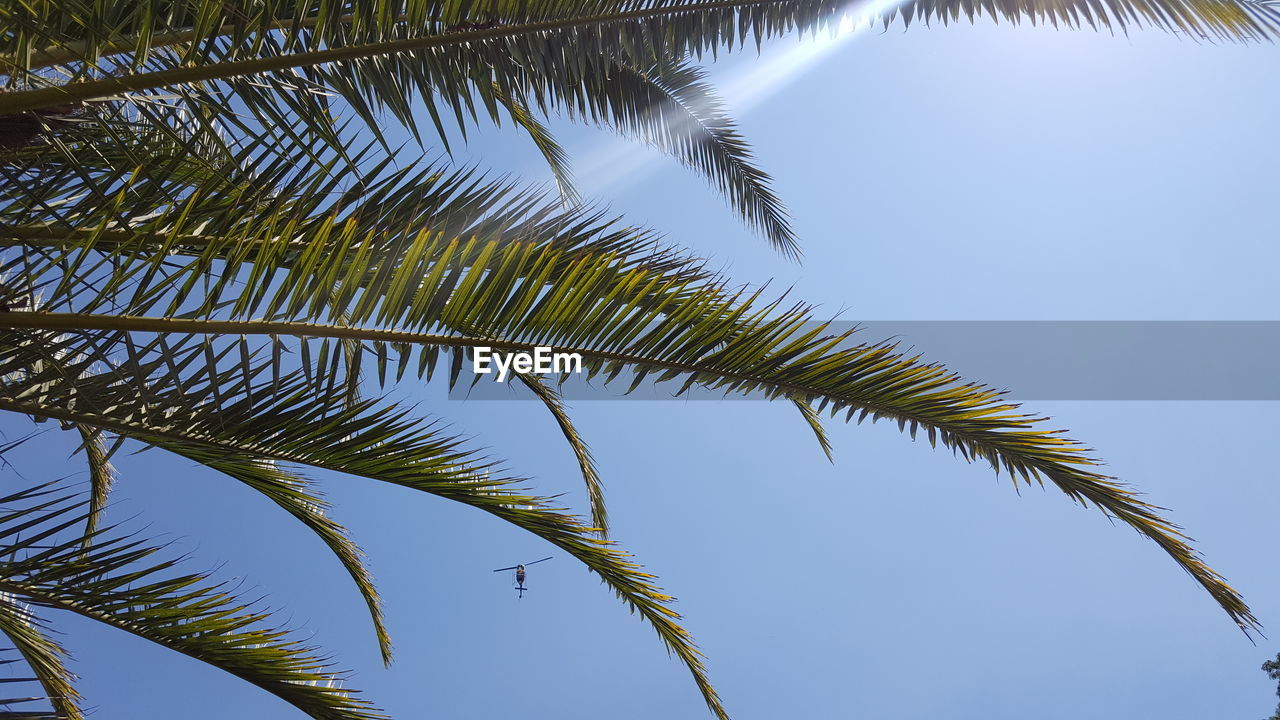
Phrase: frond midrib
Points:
(26, 100)
(1128, 508)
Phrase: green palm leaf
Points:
(549, 53)
(201, 257)
(298, 497)
(666, 327)
(30, 636)
(285, 420)
(114, 583)
(552, 398)
(101, 477)
(60, 34)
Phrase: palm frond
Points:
(46, 657)
(555, 155)
(285, 420)
(662, 103)
(282, 61)
(450, 203)
(59, 35)
(666, 327)
(114, 583)
(288, 490)
(554, 401)
(688, 27)
(299, 498)
(670, 106)
(101, 477)
(814, 420)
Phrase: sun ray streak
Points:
(608, 164)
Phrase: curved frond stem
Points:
(552, 152)
(43, 655)
(554, 402)
(814, 421)
(101, 478)
(295, 495)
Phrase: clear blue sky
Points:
(962, 173)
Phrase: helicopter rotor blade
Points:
(513, 567)
(538, 561)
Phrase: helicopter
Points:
(520, 574)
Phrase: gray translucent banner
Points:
(1032, 360)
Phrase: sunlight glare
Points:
(612, 162)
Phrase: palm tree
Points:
(1272, 669)
(209, 239)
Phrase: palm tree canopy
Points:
(207, 242)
